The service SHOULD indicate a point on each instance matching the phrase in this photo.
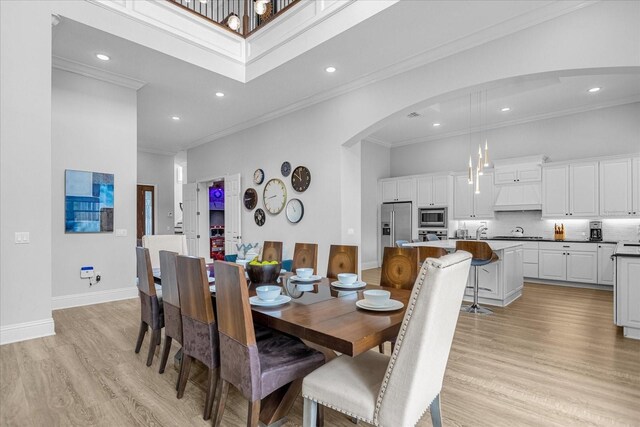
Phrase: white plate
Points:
(312, 278)
(282, 299)
(212, 288)
(391, 306)
(354, 285)
(212, 279)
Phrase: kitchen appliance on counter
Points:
(432, 218)
(396, 223)
(595, 231)
(441, 233)
(462, 233)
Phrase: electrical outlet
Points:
(98, 276)
(86, 272)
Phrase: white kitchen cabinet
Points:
(433, 191)
(530, 258)
(627, 294)
(517, 173)
(513, 270)
(552, 265)
(467, 204)
(570, 190)
(635, 185)
(488, 276)
(398, 190)
(582, 267)
(616, 198)
(605, 264)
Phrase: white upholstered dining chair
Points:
(397, 390)
(164, 242)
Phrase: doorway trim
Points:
(155, 206)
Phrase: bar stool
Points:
(482, 255)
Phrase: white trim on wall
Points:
(369, 265)
(78, 300)
(26, 331)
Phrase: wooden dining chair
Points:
(399, 268)
(425, 252)
(482, 254)
(396, 390)
(151, 310)
(199, 328)
(305, 255)
(342, 259)
(272, 251)
(171, 305)
(255, 367)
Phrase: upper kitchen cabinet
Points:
(517, 173)
(469, 205)
(433, 190)
(616, 196)
(398, 189)
(635, 185)
(570, 190)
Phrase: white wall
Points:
(602, 132)
(376, 165)
(180, 160)
(158, 170)
(25, 154)
(94, 128)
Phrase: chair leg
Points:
(254, 413)
(222, 400)
(393, 346)
(436, 412)
(165, 354)
(320, 422)
(381, 348)
(141, 334)
(184, 374)
(211, 393)
(310, 413)
(152, 345)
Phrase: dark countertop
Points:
(627, 249)
(543, 240)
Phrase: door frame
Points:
(155, 206)
(203, 226)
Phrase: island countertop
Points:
(496, 245)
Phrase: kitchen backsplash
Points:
(534, 225)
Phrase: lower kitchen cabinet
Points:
(582, 267)
(627, 295)
(571, 262)
(502, 280)
(606, 264)
(552, 265)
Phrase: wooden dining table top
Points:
(328, 316)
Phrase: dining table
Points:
(325, 317)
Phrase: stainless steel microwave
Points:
(432, 218)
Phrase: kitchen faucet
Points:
(480, 230)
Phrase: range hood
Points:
(519, 197)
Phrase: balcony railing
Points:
(220, 12)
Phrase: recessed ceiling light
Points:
(330, 69)
(219, 94)
(435, 125)
(594, 90)
(176, 118)
(505, 109)
(102, 57)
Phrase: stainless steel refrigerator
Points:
(396, 224)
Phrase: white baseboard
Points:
(369, 265)
(26, 331)
(90, 298)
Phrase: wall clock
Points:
(258, 176)
(250, 198)
(274, 196)
(285, 169)
(295, 211)
(259, 217)
(300, 179)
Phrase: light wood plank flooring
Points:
(552, 358)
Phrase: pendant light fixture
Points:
(260, 6)
(475, 100)
(233, 21)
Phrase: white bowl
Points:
(377, 297)
(304, 272)
(268, 293)
(347, 278)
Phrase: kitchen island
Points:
(503, 279)
(626, 289)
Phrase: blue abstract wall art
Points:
(88, 202)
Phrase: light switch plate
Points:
(22, 237)
(121, 232)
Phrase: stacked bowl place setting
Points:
(348, 281)
(378, 300)
(305, 279)
(269, 296)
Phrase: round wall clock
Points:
(285, 169)
(274, 196)
(250, 198)
(259, 217)
(258, 176)
(300, 179)
(295, 211)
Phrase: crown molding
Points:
(535, 118)
(96, 73)
(377, 141)
(486, 35)
(156, 151)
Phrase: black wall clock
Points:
(300, 179)
(250, 198)
(258, 176)
(285, 169)
(259, 217)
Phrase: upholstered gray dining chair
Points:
(397, 390)
(171, 305)
(151, 308)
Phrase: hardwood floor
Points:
(551, 358)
